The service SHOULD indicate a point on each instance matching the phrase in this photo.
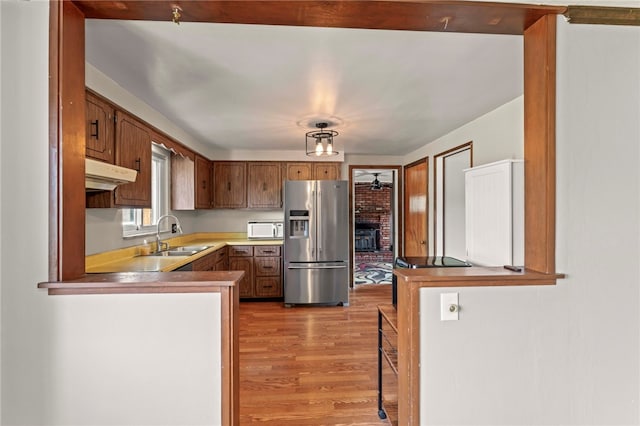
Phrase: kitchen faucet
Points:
(159, 243)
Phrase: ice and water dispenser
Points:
(299, 224)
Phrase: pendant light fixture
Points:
(376, 185)
(320, 142)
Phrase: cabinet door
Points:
(222, 265)
(264, 189)
(133, 150)
(203, 183)
(100, 129)
(182, 183)
(243, 264)
(299, 171)
(229, 185)
(326, 171)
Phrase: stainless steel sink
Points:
(173, 253)
(190, 248)
(180, 251)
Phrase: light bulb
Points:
(319, 147)
(329, 148)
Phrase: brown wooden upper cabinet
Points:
(229, 184)
(204, 190)
(100, 129)
(311, 170)
(133, 150)
(299, 171)
(264, 185)
(191, 186)
(326, 171)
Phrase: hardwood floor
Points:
(311, 365)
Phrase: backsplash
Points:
(104, 229)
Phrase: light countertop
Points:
(472, 276)
(133, 259)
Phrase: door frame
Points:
(397, 214)
(439, 189)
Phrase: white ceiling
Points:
(262, 87)
(368, 175)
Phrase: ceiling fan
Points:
(376, 185)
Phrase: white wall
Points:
(105, 86)
(598, 227)
(135, 359)
(1, 180)
(40, 334)
(568, 354)
(504, 362)
(497, 135)
(104, 229)
(24, 175)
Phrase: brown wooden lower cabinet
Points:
(216, 261)
(241, 259)
(262, 266)
(222, 260)
(267, 263)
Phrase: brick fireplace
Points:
(372, 227)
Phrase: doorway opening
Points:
(450, 201)
(374, 195)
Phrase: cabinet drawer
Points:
(266, 251)
(241, 251)
(268, 287)
(220, 254)
(266, 266)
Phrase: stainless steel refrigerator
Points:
(316, 242)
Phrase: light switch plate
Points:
(449, 307)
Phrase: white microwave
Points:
(271, 229)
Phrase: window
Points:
(136, 222)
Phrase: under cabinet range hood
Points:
(100, 176)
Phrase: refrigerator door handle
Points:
(318, 267)
(319, 213)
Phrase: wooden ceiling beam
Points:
(411, 15)
(603, 15)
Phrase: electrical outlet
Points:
(449, 307)
(174, 228)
